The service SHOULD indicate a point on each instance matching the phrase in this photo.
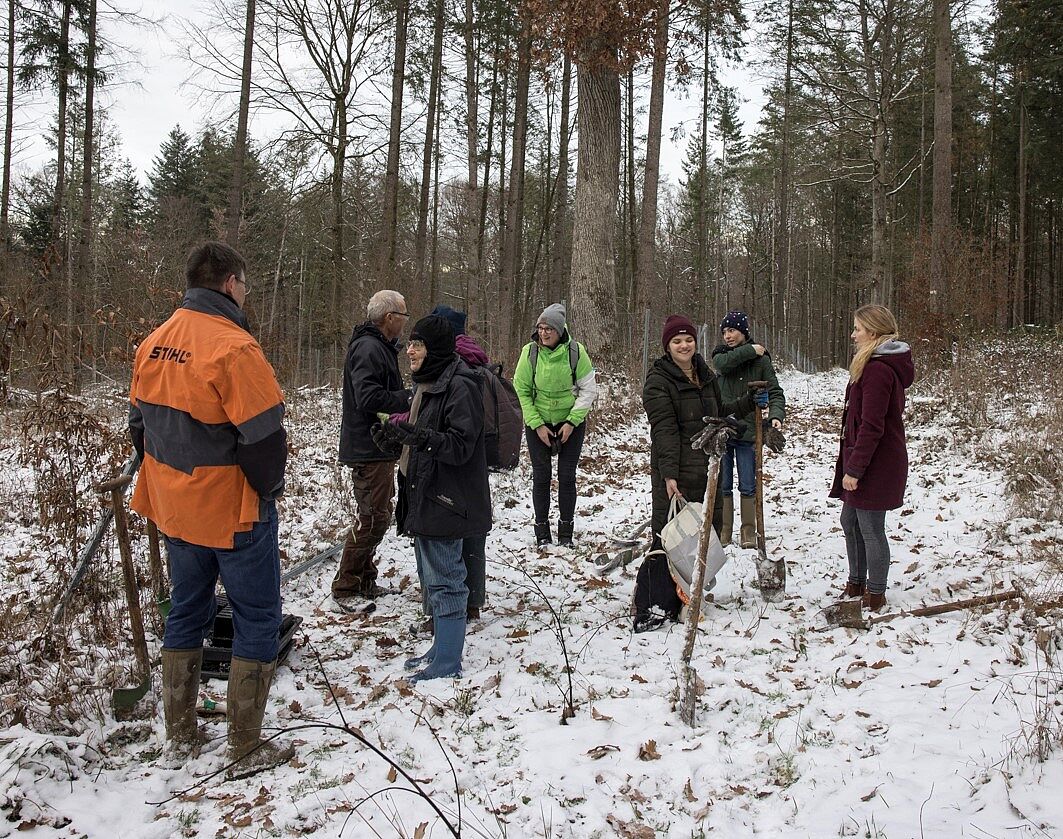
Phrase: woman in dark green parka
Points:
(740, 361)
(680, 390)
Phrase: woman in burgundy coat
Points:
(872, 467)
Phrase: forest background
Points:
(499, 155)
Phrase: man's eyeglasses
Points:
(404, 314)
(243, 282)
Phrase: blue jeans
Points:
(740, 451)
(442, 570)
(251, 574)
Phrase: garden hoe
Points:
(713, 440)
(122, 699)
(771, 573)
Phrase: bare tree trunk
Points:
(631, 245)
(9, 126)
(781, 239)
(339, 222)
(514, 228)
(472, 129)
(647, 235)
(879, 180)
(87, 169)
(429, 143)
(701, 286)
(391, 176)
(63, 85)
(1019, 299)
(236, 188)
(561, 254)
(942, 185)
(593, 308)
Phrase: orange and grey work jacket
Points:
(205, 415)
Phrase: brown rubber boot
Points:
(180, 691)
(873, 602)
(246, 705)
(853, 590)
(727, 528)
(748, 535)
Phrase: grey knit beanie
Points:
(553, 316)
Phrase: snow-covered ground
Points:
(915, 728)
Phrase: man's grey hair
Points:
(383, 302)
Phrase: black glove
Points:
(410, 435)
(773, 438)
(383, 438)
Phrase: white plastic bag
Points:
(680, 538)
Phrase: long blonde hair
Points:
(880, 322)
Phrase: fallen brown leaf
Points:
(648, 751)
(598, 752)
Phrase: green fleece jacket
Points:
(741, 365)
(554, 399)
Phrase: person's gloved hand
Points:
(414, 437)
(384, 439)
(760, 397)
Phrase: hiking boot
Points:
(727, 528)
(646, 621)
(446, 652)
(873, 602)
(245, 706)
(564, 533)
(542, 534)
(747, 537)
(853, 590)
(351, 605)
(472, 614)
(180, 692)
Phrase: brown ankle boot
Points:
(873, 602)
(853, 590)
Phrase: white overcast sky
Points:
(151, 93)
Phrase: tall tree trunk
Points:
(781, 239)
(88, 145)
(472, 135)
(339, 221)
(562, 254)
(391, 176)
(630, 243)
(702, 286)
(647, 241)
(236, 187)
(878, 145)
(1019, 298)
(63, 85)
(942, 185)
(429, 143)
(9, 126)
(593, 309)
(514, 227)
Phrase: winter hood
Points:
(470, 351)
(898, 355)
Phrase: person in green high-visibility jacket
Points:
(555, 382)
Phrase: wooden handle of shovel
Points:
(132, 592)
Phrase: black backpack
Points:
(503, 418)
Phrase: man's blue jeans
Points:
(442, 572)
(741, 452)
(250, 573)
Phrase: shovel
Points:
(713, 440)
(771, 573)
(850, 614)
(122, 699)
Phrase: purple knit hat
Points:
(677, 325)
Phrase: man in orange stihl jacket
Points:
(205, 416)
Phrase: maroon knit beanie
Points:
(677, 325)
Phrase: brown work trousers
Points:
(374, 493)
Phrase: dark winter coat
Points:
(740, 365)
(872, 448)
(371, 384)
(445, 493)
(675, 407)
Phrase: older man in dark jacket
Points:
(371, 385)
(444, 494)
